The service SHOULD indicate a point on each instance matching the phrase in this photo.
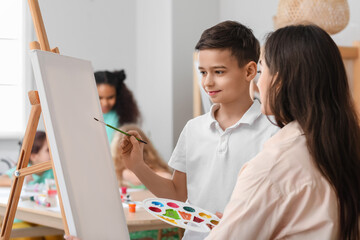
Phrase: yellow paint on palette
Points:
(204, 215)
(168, 219)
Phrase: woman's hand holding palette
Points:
(181, 214)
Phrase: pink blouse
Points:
(280, 194)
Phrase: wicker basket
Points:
(330, 15)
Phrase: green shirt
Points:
(112, 119)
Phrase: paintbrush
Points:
(119, 130)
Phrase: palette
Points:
(181, 214)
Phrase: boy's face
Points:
(222, 78)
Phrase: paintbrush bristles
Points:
(106, 124)
(99, 121)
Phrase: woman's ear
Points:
(251, 70)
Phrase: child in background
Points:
(213, 147)
(39, 154)
(305, 183)
(127, 178)
(117, 102)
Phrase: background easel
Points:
(22, 170)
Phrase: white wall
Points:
(258, 16)
(190, 19)
(167, 32)
(154, 72)
(352, 31)
(102, 31)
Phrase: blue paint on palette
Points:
(157, 204)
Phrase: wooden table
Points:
(27, 211)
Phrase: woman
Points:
(305, 184)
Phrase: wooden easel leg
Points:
(66, 227)
(39, 25)
(22, 162)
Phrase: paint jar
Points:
(124, 197)
(132, 207)
(52, 198)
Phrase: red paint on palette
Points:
(210, 226)
(155, 209)
(173, 205)
(198, 220)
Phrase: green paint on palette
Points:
(172, 214)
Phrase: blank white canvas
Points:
(79, 146)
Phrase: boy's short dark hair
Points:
(234, 36)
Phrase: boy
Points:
(213, 147)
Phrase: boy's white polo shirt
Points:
(212, 158)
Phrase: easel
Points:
(22, 170)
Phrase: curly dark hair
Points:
(125, 106)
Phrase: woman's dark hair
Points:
(310, 86)
(234, 36)
(125, 106)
